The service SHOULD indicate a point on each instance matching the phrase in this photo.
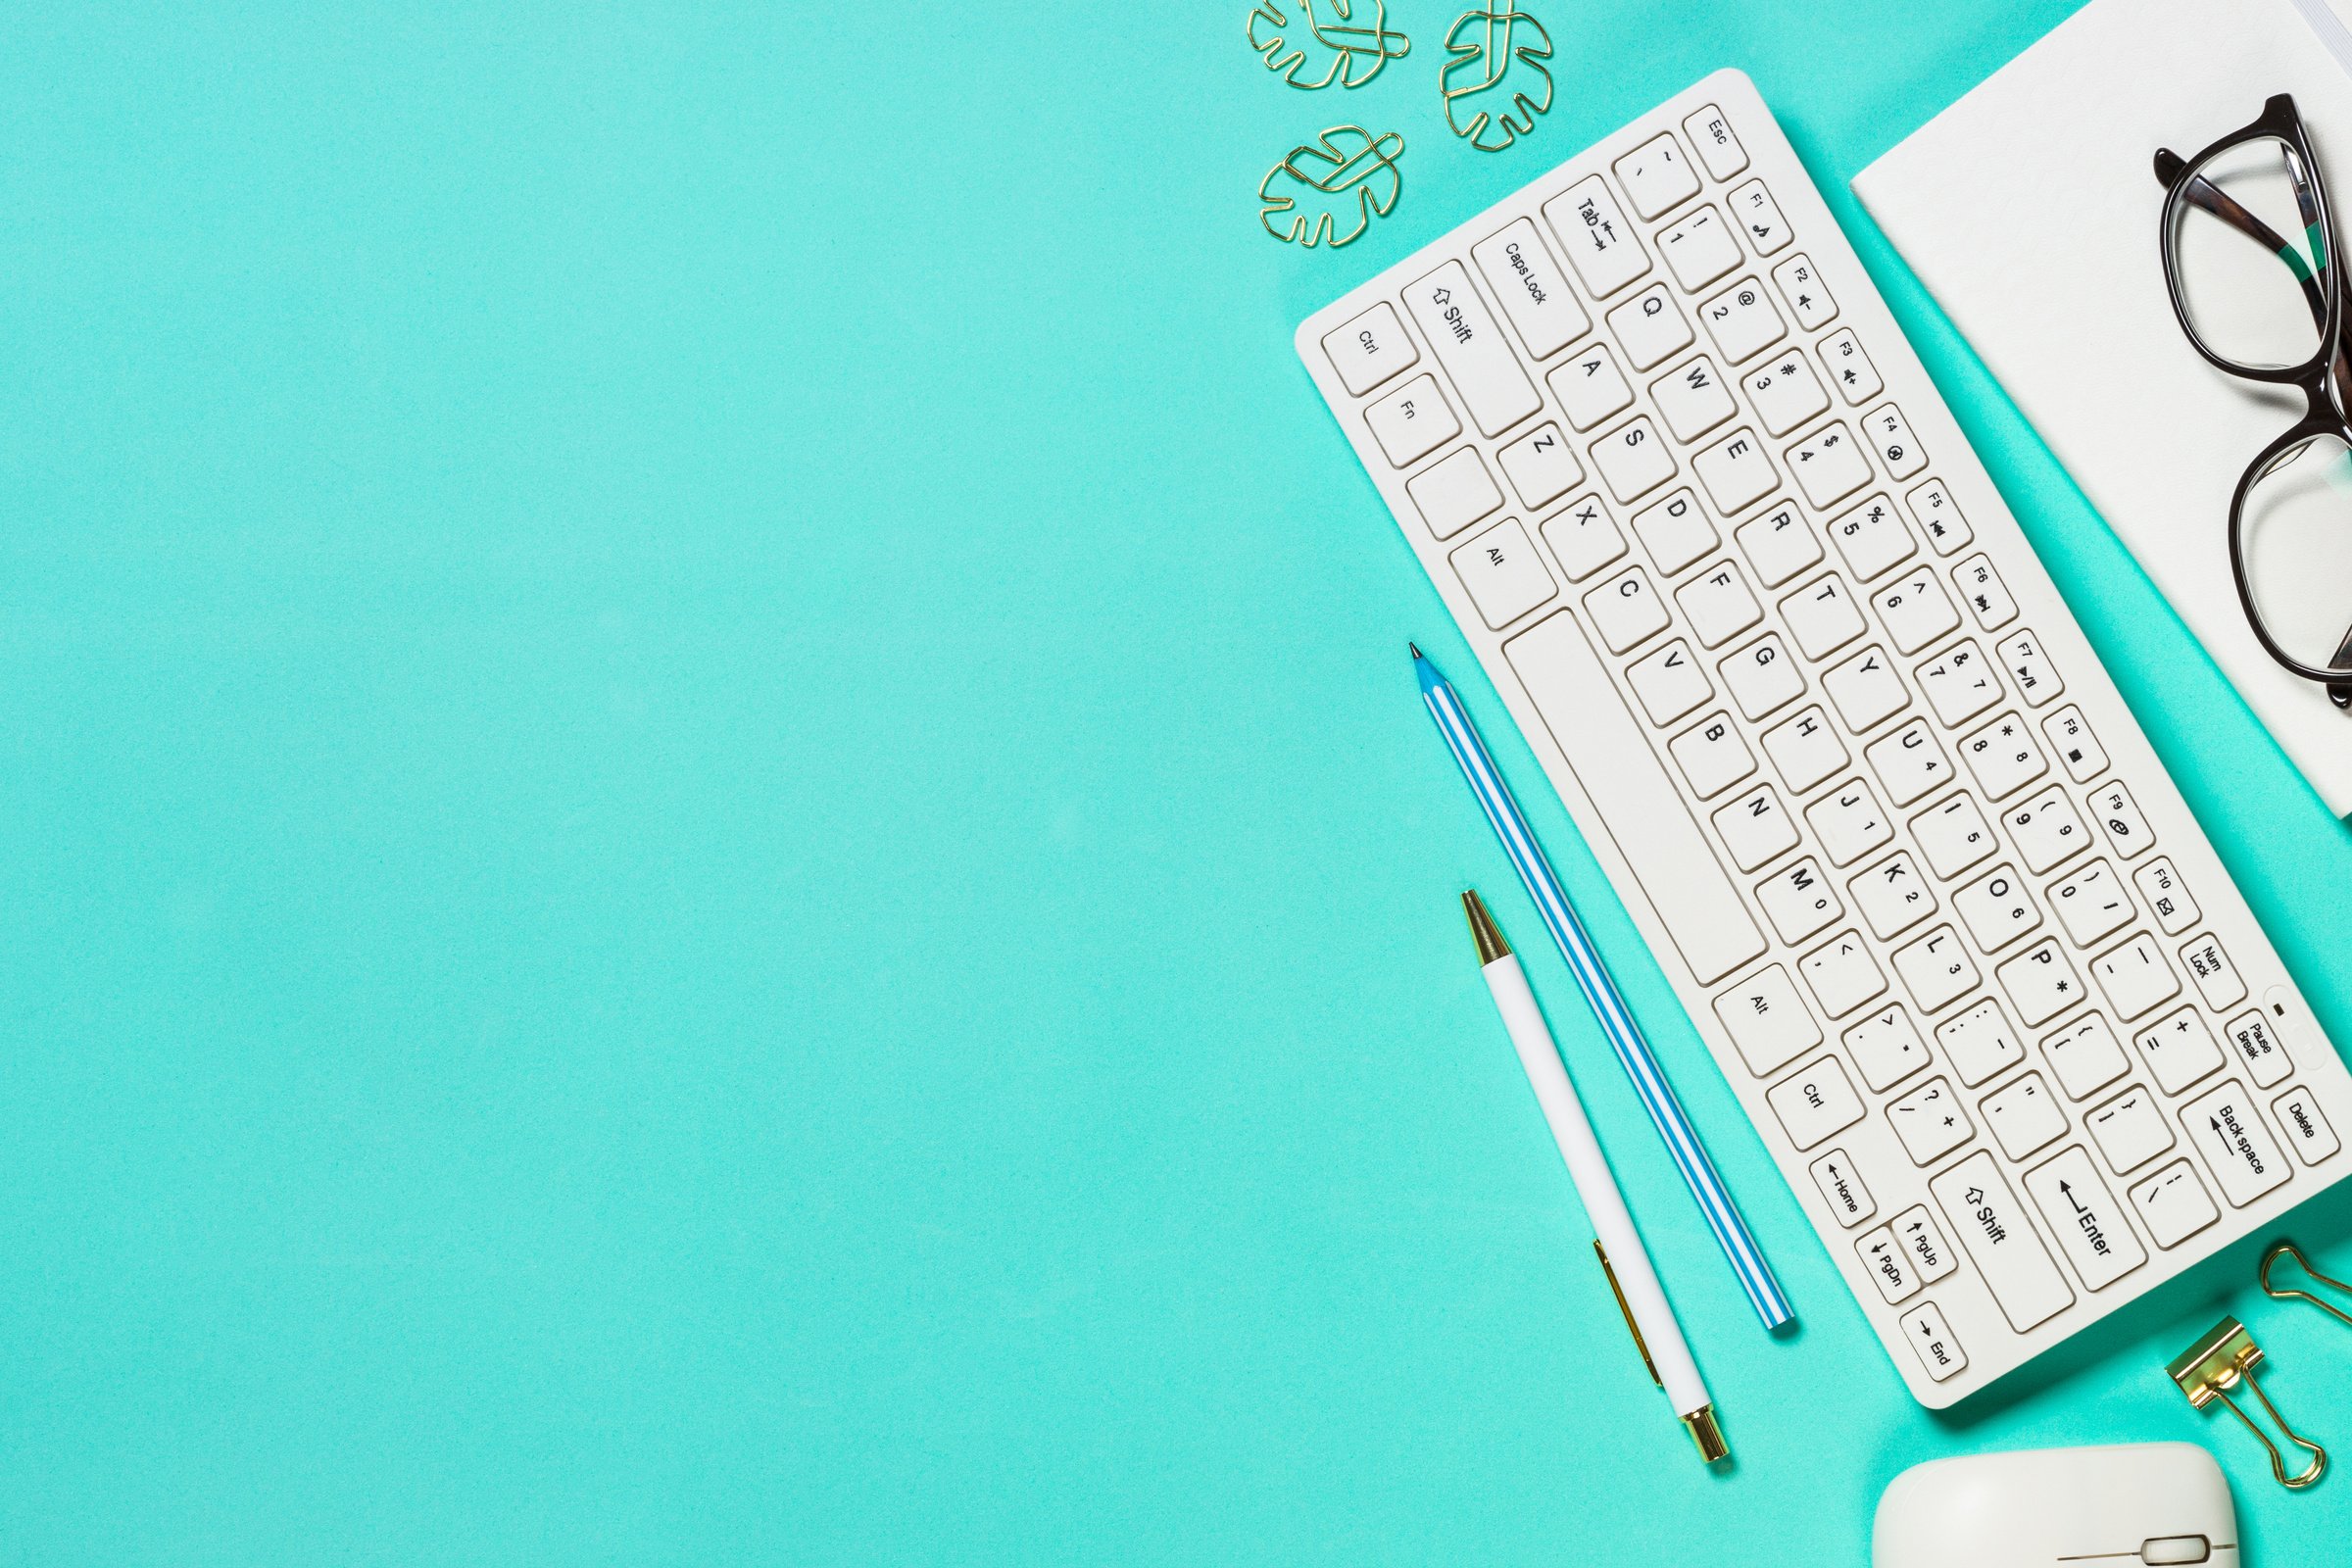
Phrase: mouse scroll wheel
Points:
(2175, 1550)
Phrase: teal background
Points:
(720, 849)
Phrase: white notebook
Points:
(2029, 209)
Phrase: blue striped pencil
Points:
(1616, 1020)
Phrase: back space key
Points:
(1639, 806)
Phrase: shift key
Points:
(1470, 346)
(1992, 1226)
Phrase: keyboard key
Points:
(2256, 1045)
(2135, 977)
(1669, 682)
(1786, 392)
(2174, 1204)
(1542, 465)
(2028, 669)
(1806, 748)
(1807, 296)
(2306, 1129)
(2022, 1117)
(1930, 1122)
(1453, 493)
(2179, 1049)
(1829, 464)
(1675, 531)
(1712, 756)
(1953, 836)
(1536, 298)
(1843, 357)
(2092, 904)
(1897, 448)
(2085, 1056)
(1995, 1230)
(1980, 1043)
(1769, 1023)
(1866, 690)
(1699, 249)
(1886, 1048)
(1718, 148)
(2076, 748)
(1890, 1269)
(2120, 821)
(2167, 898)
(1932, 1337)
(1742, 322)
(1633, 460)
(1754, 210)
(1598, 241)
(1814, 1103)
(1798, 900)
(1850, 822)
(1412, 421)
(1680, 878)
(1892, 896)
(1936, 969)
(1939, 516)
(1872, 539)
(1778, 544)
(2214, 976)
(1841, 975)
(1718, 605)
(2003, 757)
(1736, 471)
(1754, 828)
(2039, 983)
(1762, 678)
(2046, 829)
(1916, 611)
(1485, 371)
(1986, 595)
(1959, 683)
(1842, 1189)
(2084, 1215)
(2236, 1143)
(1649, 328)
(1656, 175)
(1624, 609)
(1370, 349)
(2130, 1130)
(1582, 539)
(1693, 400)
(1590, 386)
(1822, 617)
(1504, 575)
(1996, 910)
(1908, 764)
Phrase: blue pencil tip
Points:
(1417, 647)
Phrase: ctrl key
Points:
(1932, 1337)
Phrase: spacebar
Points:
(1638, 804)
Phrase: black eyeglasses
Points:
(2250, 260)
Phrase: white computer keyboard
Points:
(1970, 966)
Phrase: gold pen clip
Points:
(1626, 1307)
(2270, 1260)
(2225, 1358)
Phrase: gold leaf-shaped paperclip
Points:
(1496, 80)
(2270, 1260)
(2225, 1358)
(1332, 192)
(1357, 49)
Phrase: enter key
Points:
(2084, 1215)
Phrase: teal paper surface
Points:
(720, 849)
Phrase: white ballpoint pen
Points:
(1622, 1259)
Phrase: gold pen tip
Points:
(1707, 1433)
(1483, 930)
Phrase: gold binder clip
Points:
(2270, 1260)
(2223, 1358)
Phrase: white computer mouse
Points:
(2117, 1507)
